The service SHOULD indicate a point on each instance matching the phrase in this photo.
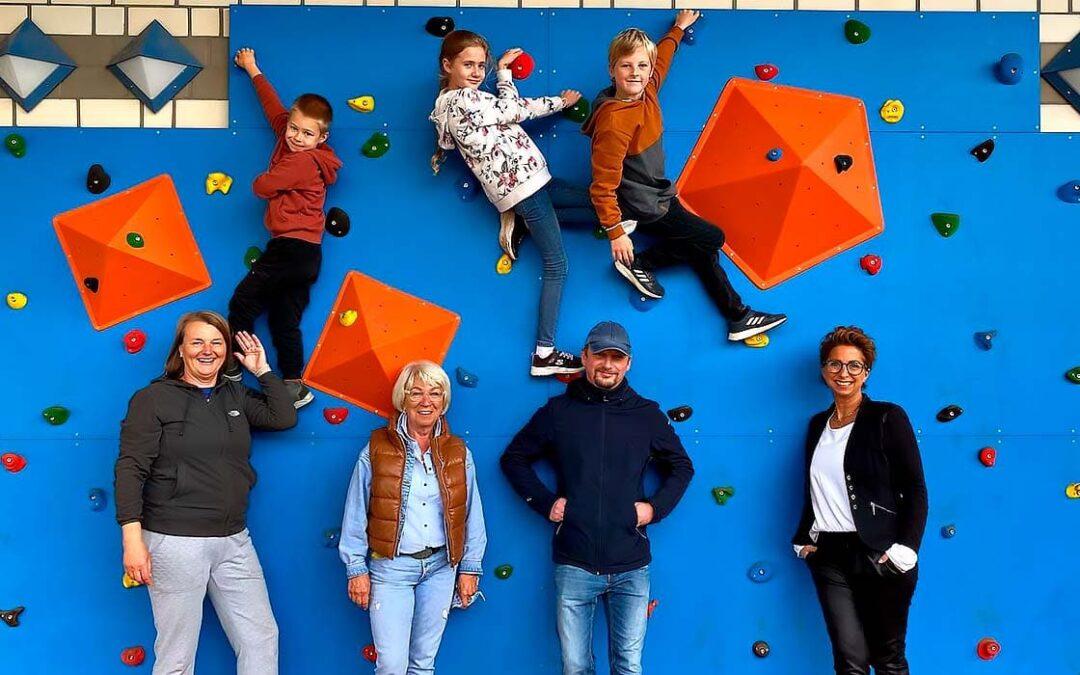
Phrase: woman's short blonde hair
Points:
(428, 372)
(628, 42)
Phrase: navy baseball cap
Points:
(608, 335)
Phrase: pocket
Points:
(878, 509)
(180, 483)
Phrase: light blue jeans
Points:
(626, 602)
(410, 600)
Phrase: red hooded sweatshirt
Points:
(294, 185)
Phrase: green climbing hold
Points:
(377, 145)
(15, 144)
(503, 571)
(856, 32)
(579, 112)
(722, 494)
(1073, 375)
(946, 223)
(251, 255)
(56, 414)
(135, 240)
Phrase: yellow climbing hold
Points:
(892, 111)
(504, 265)
(364, 104)
(347, 318)
(16, 300)
(760, 340)
(128, 582)
(1072, 491)
(218, 182)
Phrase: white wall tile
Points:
(1054, 6)
(643, 4)
(204, 3)
(7, 112)
(947, 5)
(206, 21)
(764, 4)
(1009, 5)
(704, 4)
(196, 114)
(838, 5)
(1058, 117)
(157, 3)
(58, 20)
(109, 20)
(10, 17)
(428, 3)
(50, 112)
(100, 112)
(551, 3)
(887, 5)
(224, 23)
(175, 19)
(162, 119)
(1058, 27)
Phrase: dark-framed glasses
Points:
(853, 367)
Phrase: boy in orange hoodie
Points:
(630, 191)
(294, 187)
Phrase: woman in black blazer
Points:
(864, 513)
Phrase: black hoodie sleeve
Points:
(907, 475)
(272, 408)
(140, 443)
(532, 443)
(670, 457)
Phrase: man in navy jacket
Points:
(600, 436)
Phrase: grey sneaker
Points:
(300, 393)
(754, 323)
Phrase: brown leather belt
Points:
(426, 553)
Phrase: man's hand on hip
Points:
(644, 513)
(558, 510)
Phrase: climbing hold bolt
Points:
(1010, 68)
(377, 145)
(949, 413)
(56, 414)
(503, 571)
(11, 616)
(135, 240)
(364, 104)
(579, 112)
(13, 462)
(856, 31)
(1073, 375)
(91, 284)
(522, 66)
(774, 155)
(504, 264)
(347, 317)
(948, 531)
(252, 254)
(331, 537)
(369, 653)
(757, 341)
(988, 649)
(15, 144)
(16, 300)
(983, 150)
(133, 656)
(689, 36)
(680, 413)
(337, 222)
(761, 649)
(984, 339)
(439, 26)
(871, 263)
(946, 223)
(465, 378)
(988, 457)
(722, 494)
(759, 572)
(1070, 192)
(468, 187)
(218, 182)
(892, 111)
(842, 163)
(766, 71)
(335, 415)
(97, 180)
(640, 302)
(98, 499)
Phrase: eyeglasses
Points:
(853, 367)
(416, 395)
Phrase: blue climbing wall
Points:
(1011, 570)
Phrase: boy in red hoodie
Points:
(294, 187)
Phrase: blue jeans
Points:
(626, 602)
(555, 203)
(410, 600)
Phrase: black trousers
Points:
(865, 605)
(279, 284)
(682, 237)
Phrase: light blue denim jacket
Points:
(353, 545)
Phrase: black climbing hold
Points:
(91, 284)
(337, 222)
(11, 616)
(681, 413)
(761, 649)
(842, 162)
(439, 26)
(97, 181)
(983, 150)
(949, 413)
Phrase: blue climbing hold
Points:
(1010, 68)
(640, 302)
(984, 339)
(1070, 192)
(98, 499)
(759, 572)
(465, 378)
(774, 155)
(332, 537)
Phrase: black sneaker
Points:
(754, 323)
(642, 279)
(233, 374)
(300, 393)
(512, 231)
(556, 363)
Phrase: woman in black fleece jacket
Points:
(182, 483)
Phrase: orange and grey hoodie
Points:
(628, 181)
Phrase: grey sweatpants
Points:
(184, 570)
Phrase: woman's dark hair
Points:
(174, 364)
(850, 336)
(453, 44)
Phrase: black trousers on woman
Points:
(865, 605)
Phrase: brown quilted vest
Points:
(387, 474)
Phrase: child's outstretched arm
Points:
(275, 112)
(669, 44)
(507, 90)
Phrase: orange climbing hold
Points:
(165, 266)
(359, 363)
(783, 217)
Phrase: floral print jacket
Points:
(485, 129)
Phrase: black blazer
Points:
(884, 477)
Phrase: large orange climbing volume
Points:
(131, 252)
(782, 217)
(359, 362)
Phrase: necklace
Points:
(840, 421)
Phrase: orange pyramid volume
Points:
(131, 252)
(782, 217)
(359, 362)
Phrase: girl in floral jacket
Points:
(512, 170)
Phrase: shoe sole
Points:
(629, 276)
(301, 402)
(749, 333)
(545, 371)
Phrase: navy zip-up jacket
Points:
(600, 442)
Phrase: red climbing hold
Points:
(133, 656)
(871, 264)
(369, 653)
(335, 415)
(12, 462)
(522, 66)
(988, 649)
(988, 457)
(567, 378)
(652, 607)
(134, 341)
(766, 71)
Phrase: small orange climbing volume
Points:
(137, 246)
(360, 361)
(782, 217)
